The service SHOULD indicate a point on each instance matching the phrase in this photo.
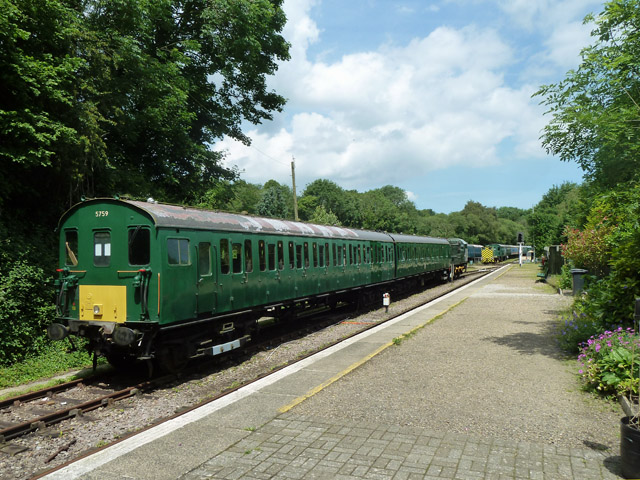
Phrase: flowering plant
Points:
(608, 361)
(589, 248)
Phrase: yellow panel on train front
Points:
(103, 303)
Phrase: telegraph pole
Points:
(293, 179)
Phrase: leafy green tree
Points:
(561, 206)
(596, 108)
(325, 193)
(322, 217)
(276, 201)
(246, 197)
(127, 97)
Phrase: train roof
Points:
(175, 216)
(399, 237)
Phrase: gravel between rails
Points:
(488, 367)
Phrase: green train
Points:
(142, 280)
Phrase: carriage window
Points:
(204, 259)
(299, 256)
(335, 255)
(326, 249)
(315, 254)
(272, 256)
(306, 255)
(236, 253)
(178, 251)
(262, 256)
(224, 256)
(292, 256)
(280, 256)
(359, 254)
(139, 250)
(71, 247)
(101, 249)
(248, 257)
(321, 254)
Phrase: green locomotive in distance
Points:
(142, 280)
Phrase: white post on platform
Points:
(386, 301)
(520, 253)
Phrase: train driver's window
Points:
(224, 256)
(139, 246)
(102, 249)
(71, 247)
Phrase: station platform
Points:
(430, 394)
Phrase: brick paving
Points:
(296, 447)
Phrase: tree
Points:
(322, 217)
(276, 201)
(596, 108)
(561, 206)
(246, 197)
(325, 193)
(127, 97)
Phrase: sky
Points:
(432, 96)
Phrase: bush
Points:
(566, 281)
(576, 329)
(610, 362)
(26, 291)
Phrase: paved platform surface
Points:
(284, 427)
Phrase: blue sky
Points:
(431, 96)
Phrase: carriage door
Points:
(206, 291)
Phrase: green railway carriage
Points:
(424, 256)
(143, 280)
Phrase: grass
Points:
(57, 359)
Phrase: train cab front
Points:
(103, 288)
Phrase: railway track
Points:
(84, 396)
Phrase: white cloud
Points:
(374, 117)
